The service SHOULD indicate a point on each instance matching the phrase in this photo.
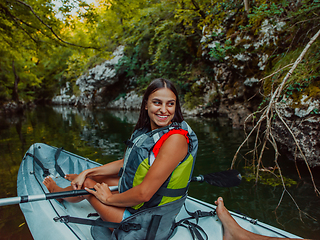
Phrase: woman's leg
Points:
(232, 230)
(106, 212)
(53, 187)
(110, 180)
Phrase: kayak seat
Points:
(99, 232)
(151, 224)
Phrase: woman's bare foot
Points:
(51, 185)
(231, 228)
(70, 177)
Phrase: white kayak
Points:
(41, 215)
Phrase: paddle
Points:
(228, 178)
(46, 196)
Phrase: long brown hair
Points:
(156, 84)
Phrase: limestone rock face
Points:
(93, 85)
(101, 75)
(131, 101)
(64, 98)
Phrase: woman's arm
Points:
(172, 152)
(108, 169)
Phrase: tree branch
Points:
(50, 28)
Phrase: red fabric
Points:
(165, 136)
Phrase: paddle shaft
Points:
(46, 196)
(229, 178)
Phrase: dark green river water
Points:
(99, 136)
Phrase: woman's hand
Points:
(78, 181)
(102, 192)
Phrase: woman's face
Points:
(161, 106)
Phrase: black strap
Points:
(196, 231)
(123, 226)
(45, 170)
(168, 192)
(198, 214)
(99, 222)
(57, 167)
(93, 215)
(153, 227)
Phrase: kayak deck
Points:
(40, 215)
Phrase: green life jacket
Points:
(141, 152)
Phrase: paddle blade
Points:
(229, 178)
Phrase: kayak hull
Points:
(40, 215)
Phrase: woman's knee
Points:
(88, 183)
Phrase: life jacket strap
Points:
(120, 172)
(153, 227)
(168, 192)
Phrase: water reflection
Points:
(99, 136)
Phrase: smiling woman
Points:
(152, 173)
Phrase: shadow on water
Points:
(99, 136)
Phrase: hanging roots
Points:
(267, 115)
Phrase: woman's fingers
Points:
(75, 186)
(102, 192)
(77, 182)
(90, 191)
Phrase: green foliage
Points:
(45, 49)
(155, 45)
(192, 101)
(219, 52)
(265, 10)
(162, 39)
(194, 97)
(121, 95)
